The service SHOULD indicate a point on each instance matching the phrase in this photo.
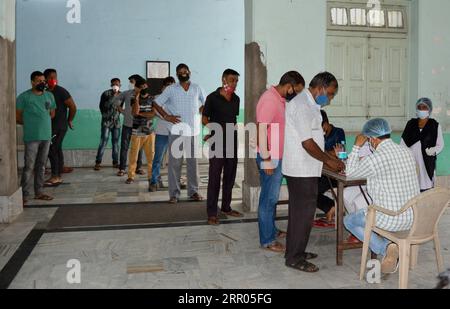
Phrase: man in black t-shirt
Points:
(221, 109)
(65, 114)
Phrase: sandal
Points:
(281, 234)
(324, 223)
(129, 181)
(121, 173)
(304, 266)
(44, 197)
(310, 256)
(275, 247)
(233, 213)
(213, 221)
(196, 198)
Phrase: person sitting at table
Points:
(391, 182)
(334, 137)
(423, 136)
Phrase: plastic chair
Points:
(428, 209)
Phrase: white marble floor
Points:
(227, 257)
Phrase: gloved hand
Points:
(431, 151)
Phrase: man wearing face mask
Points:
(391, 182)
(110, 124)
(423, 136)
(66, 110)
(222, 108)
(123, 102)
(303, 160)
(271, 120)
(35, 109)
(181, 105)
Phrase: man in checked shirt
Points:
(391, 182)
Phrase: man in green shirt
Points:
(35, 109)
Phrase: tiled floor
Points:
(227, 256)
(85, 186)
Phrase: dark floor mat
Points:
(110, 215)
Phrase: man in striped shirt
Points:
(391, 182)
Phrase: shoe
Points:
(389, 264)
(97, 167)
(213, 221)
(275, 247)
(121, 173)
(140, 172)
(152, 188)
(173, 200)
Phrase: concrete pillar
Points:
(10, 192)
(255, 85)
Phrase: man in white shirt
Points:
(180, 104)
(391, 182)
(303, 161)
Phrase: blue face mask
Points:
(423, 114)
(322, 100)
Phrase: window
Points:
(358, 17)
(395, 19)
(376, 18)
(339, 16)
(347, 16)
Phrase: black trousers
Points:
(55, 153)
(324, 203)
(125, 146)
(302, 208)
(229, 169)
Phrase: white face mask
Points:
(115, 88)
(423, 114)
(131, 86)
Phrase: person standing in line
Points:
(181, 105)
(123, 102)
(222, 108)
(110, 124)
(66, 110)
(271, 120)
(35, 109)
(304, 157)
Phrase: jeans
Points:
(124, 146)
(161, 144)
(356, 224)
(138, 143)
(36, 154)
(56, 154)
(106, 132)
(268, 200)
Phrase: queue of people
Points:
(295, 142)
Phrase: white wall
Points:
(292, 36)
(8, 19)
(434, 56)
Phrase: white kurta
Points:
(425, 182)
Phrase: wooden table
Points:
(342, 182)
